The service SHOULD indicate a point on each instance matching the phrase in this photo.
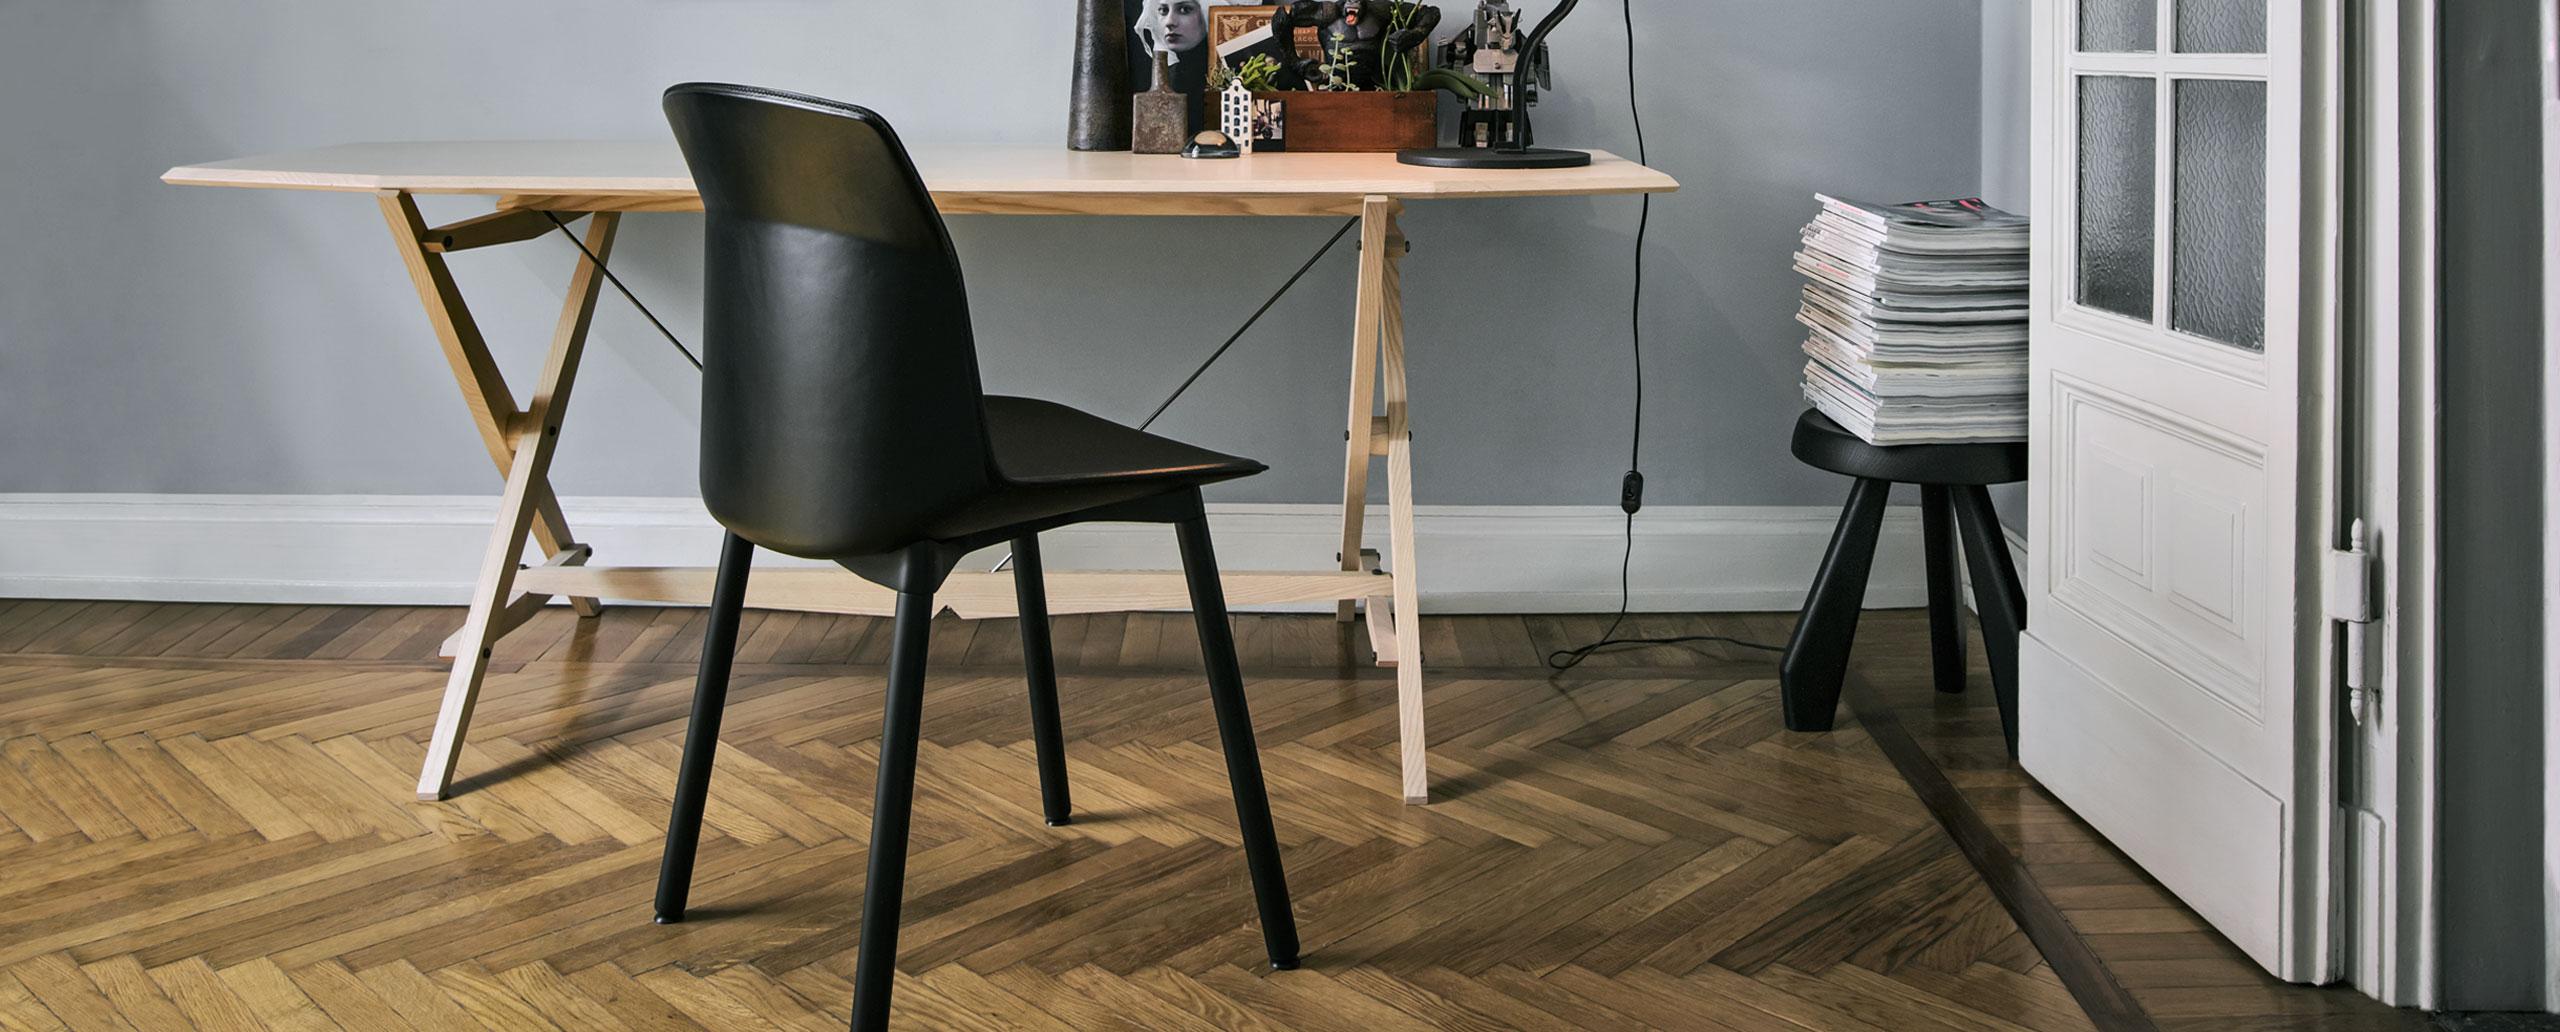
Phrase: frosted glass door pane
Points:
(2118, 145)
(2218, 263)
(2119, 26)
(2222, 26)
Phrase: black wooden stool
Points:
(1953, 479)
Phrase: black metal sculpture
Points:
(1359, 38)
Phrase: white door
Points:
(2174, 641)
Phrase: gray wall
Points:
(2491, 644)
(2006, 64)
(160, 339)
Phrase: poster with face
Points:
(1180, 29)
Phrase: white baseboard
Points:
(420, 550)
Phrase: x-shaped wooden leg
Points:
(520, 442)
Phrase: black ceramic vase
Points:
(1098, 112)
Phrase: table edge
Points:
(200, 175)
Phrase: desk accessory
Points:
(1179, 30)
(1270, 129)
(1210, 143)
(1503, 117)
(1490, 48)
(1098, 114)
(1161, 117)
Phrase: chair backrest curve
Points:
(841, 407)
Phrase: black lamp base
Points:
(1494, 157)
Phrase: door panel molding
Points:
(2226, 663)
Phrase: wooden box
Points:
(1332, 123)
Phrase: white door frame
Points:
(2390, 782)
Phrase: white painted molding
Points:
(420, 550)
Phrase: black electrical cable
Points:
(1644, 222)
(1567, 659)
(627, 295)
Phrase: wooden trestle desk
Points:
(534, 181)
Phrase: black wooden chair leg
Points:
(1235, 732)
(1817, 657)
(702, 733)
(875, 965)
(1946, 592)
(1998, 598)
(1040, 670)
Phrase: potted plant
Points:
(1370, 91)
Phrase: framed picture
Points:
(1227, 25)
(1269, 130)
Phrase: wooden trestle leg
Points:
(521, 442)
(1378, 378)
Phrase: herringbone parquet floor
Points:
(205, 821)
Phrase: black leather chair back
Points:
(841, 408)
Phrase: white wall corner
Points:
(420, 550)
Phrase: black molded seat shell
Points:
(1052, 460)
(1043, 443)
(1827, 445)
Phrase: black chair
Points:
(842, 419)
(1954, 503)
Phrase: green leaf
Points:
(1464, 85)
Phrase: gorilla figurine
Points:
(1356, 35)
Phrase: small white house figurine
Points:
(1235, 114)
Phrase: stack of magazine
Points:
(1918, 315)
